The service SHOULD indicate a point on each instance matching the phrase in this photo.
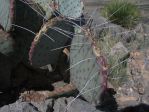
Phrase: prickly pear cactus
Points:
(43, 50)
(45, 4)
(84, 68)
(70, 8)
(6, 13)
(25, 18)
(6, 43)
(5, 72)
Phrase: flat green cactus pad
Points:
(70, 8)
(40, 53)
(6, 13)
(83, 71)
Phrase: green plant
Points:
(122, 12)
(117, 59)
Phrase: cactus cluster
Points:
(41, 43)
(44, 47)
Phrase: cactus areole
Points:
(88, 67)
(7, 13)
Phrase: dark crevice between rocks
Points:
(50, 108)
(8, 97)
(138, 108)
(107, 101)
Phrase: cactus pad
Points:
(45, 6)
(70, 8)
(48, 39)
(6, 13)
(83, 71)
(26, 18)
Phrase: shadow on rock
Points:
(25, 78)
(108, 102)
(139, 108)
(8, 97)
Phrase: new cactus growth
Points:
(52, 36)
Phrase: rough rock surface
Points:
(19, 107)
(44, 106)
(136, 90)
(78, 105)
(50, 105)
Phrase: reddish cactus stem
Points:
(104, 71)
(101, 60)
(31, 52)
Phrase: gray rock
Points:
(136, 89)
(119, 49)
(19, 107)
(44, 106)
(76, 106)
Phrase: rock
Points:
(19, 107)
(141, 38)
(77, 106)
(44, 106)
(119, 49)
(135, 90)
